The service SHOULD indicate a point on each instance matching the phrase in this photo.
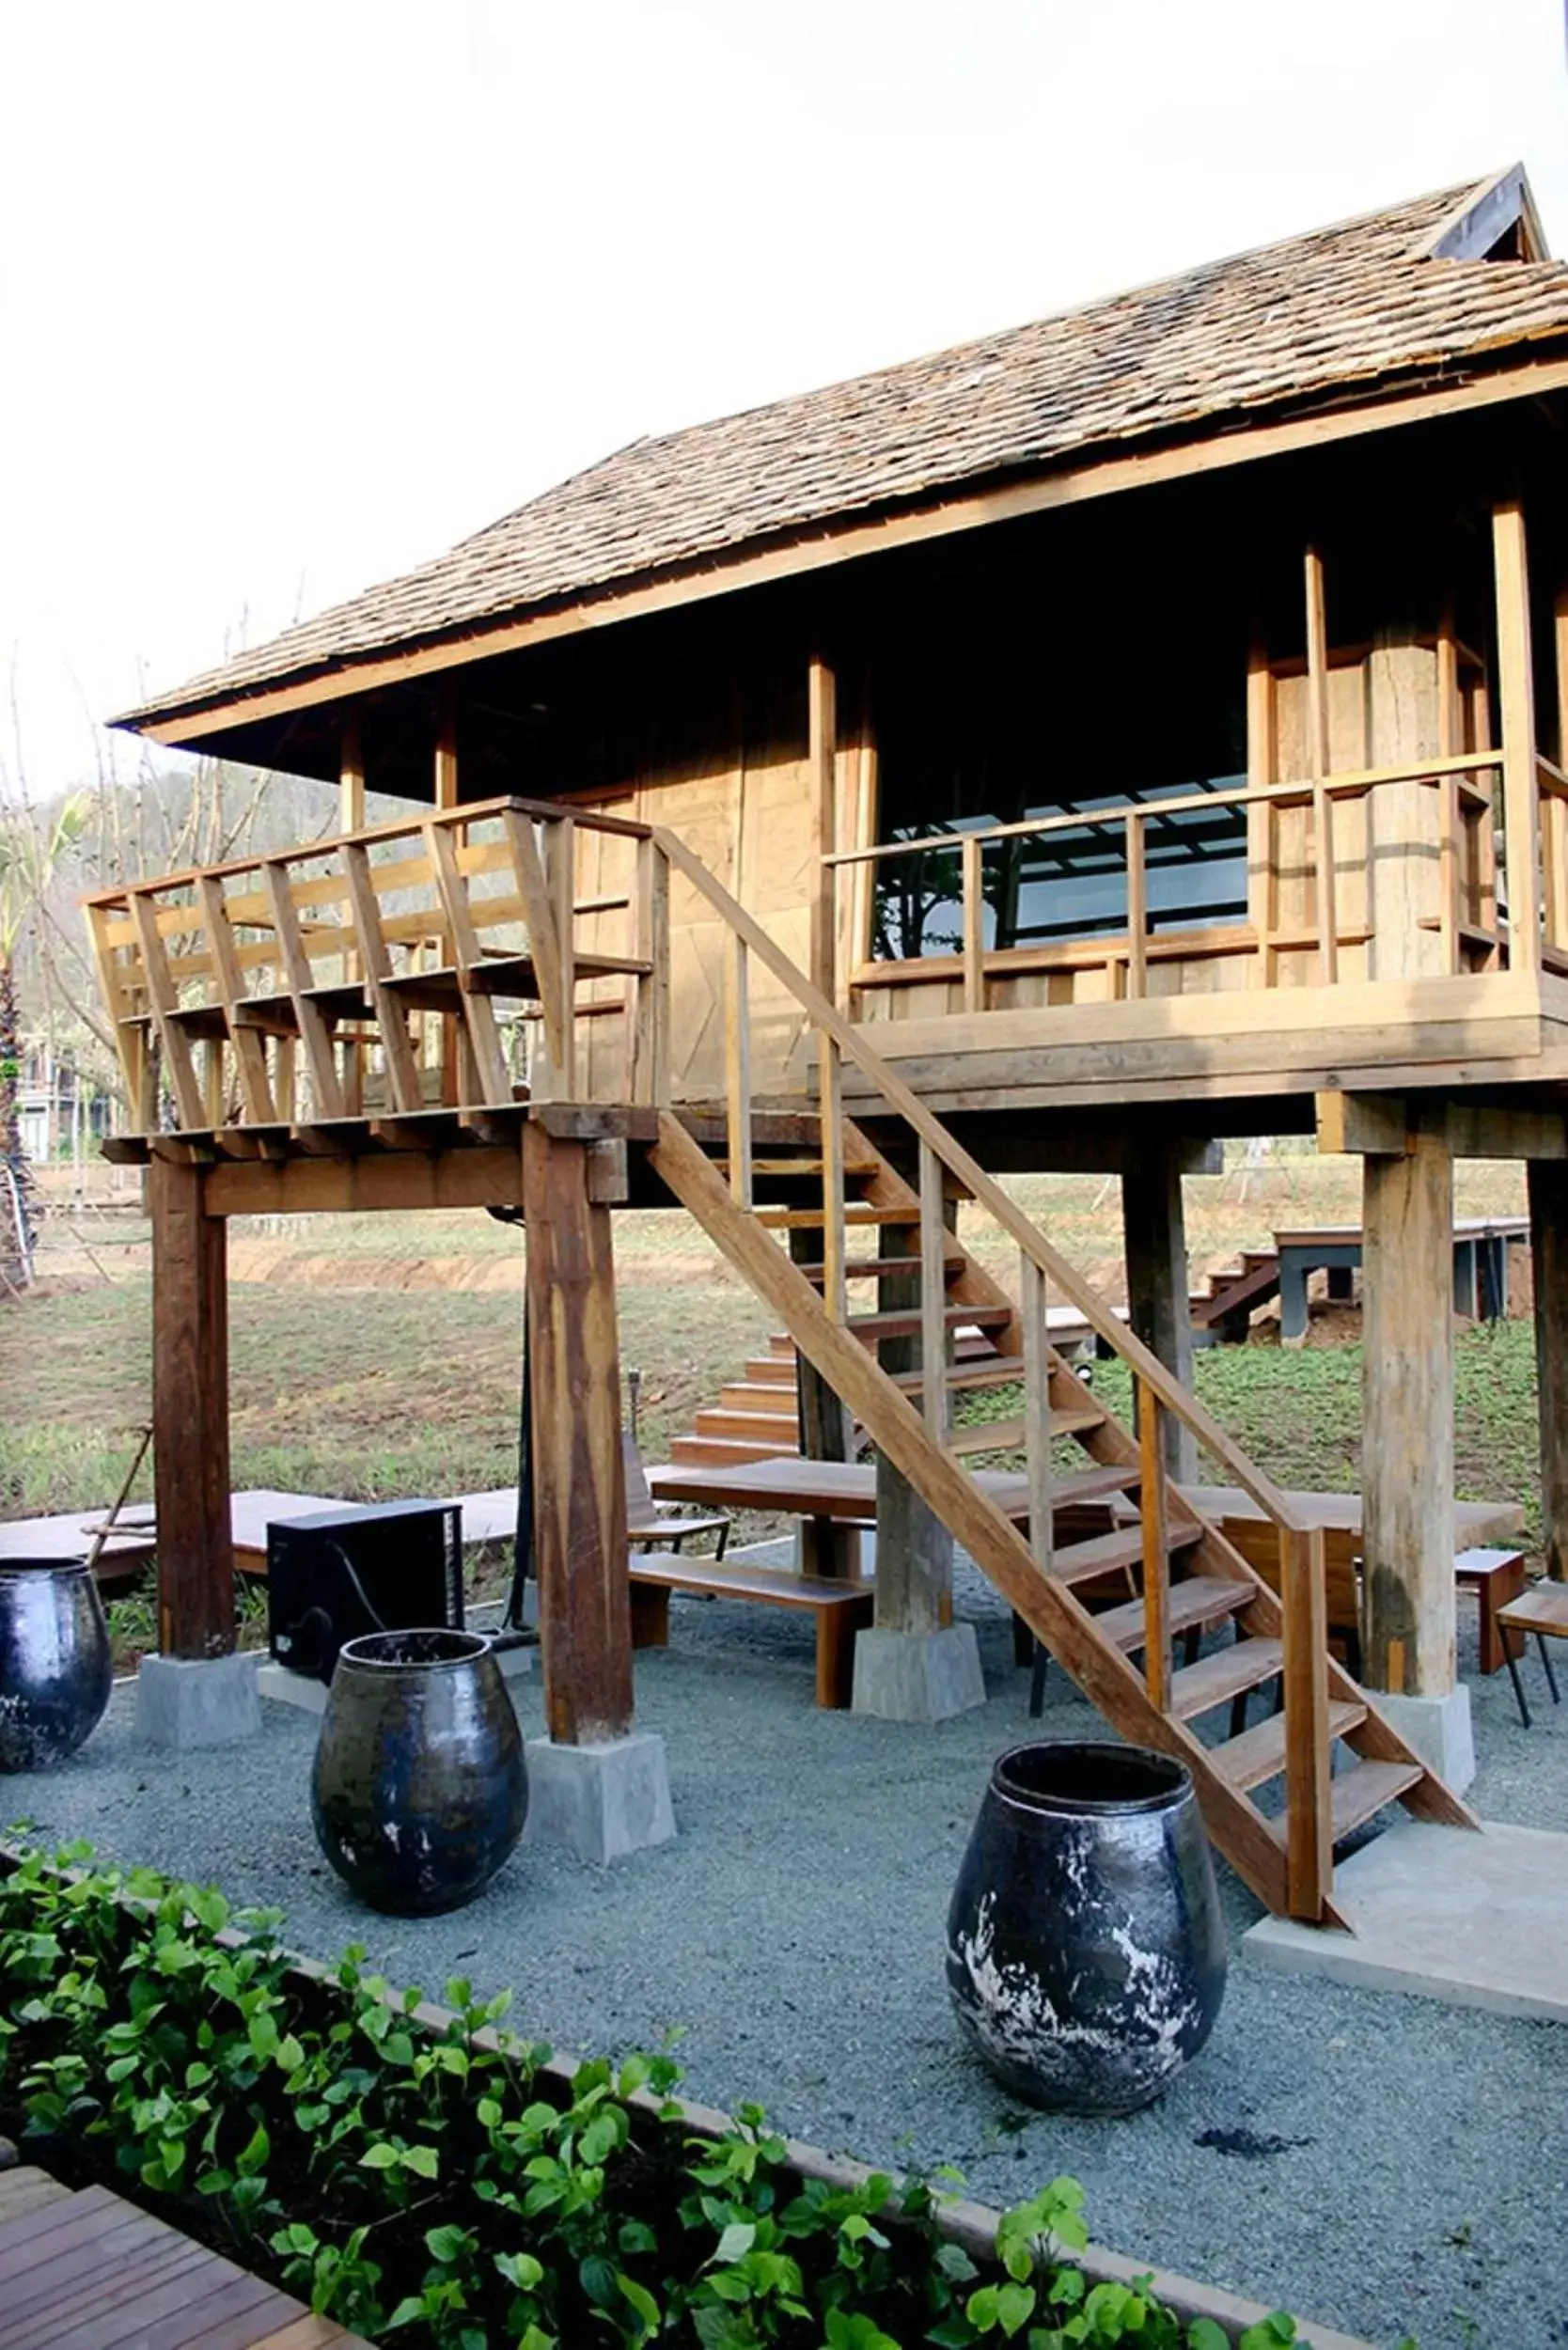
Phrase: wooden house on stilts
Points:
(1133, 730)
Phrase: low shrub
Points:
(445, 2186)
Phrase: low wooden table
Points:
(1476, 1526)
(1544, 1610)
(845, 1491)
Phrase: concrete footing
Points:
(917, 1676)
(185, 1702)
(1438, 1729)
(301, 1690)
(602, 1801)
(1479, 1920)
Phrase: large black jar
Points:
(419, 1793)
(55, 1670)
(1086, 1949)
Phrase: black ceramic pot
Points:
(1086, 1949)
(55, 1671)
(419, 1792)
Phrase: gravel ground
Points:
(1385, 2164)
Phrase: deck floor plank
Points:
(89, 2271)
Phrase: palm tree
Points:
(28, 856)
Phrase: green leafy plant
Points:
(436, 2181)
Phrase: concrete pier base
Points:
(601, 1801)
(917, 1676)
(1438, 1729)
(1480, 1921)
(185, 1702)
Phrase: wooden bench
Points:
(1544, 1610)
(841, 1608)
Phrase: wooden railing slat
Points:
(1153, 1519)
(737, 1069)
(935, 1401)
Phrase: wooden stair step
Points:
(883, 1268)
(1215, 1680)
(1360, 1793)
(770, 1371)
(1259, 1753)
(754, 1427)
(907, 1324)
(986, 1371)
(725, 1451)
(1201, 1599)
(856, 1212)
(1103, 1554)
(786, 1170)
(757, 1395)
(1007, 1436)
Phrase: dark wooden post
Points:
(1156, 1239)
(585, 1617)
(1407, 1439)
(1548, 1239)
(190, 1414)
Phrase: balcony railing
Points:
(450, 960)
(1470, 916)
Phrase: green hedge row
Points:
(440, 2188)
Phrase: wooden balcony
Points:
(451, 961)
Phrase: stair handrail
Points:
(1096, 1311)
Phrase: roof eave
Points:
(1480, 376)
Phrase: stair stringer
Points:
(1375, 1738)
(1051, 1611)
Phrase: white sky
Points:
(293, 294)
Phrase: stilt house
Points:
(1128, 730)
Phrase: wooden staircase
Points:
(1181, 1578)
(1227, 1300)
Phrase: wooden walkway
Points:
(89, 2271)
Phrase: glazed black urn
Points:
(419, 1792)
(1086, 1948)
(55, 1670)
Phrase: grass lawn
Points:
(346, 1381)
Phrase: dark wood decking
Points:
(89, 2271)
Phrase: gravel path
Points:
(1385, 2164)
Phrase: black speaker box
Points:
(342, 1572)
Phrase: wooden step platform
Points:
(89, 2271)
(840, 1608)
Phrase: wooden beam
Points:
(1548, 1237)
(827, 545)
(445, 773)
(1516, 693)
(164, 997)
(1385, 1125)
(190, 1413)
(475, 1010)
(475, 1175)
(1153, 1521)
(580, 1548)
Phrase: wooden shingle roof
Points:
(1324, 317)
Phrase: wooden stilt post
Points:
(1548, 1235)
(1156, 1249)
(914, 1549)
(1407, 1438)
(585, 1617)
(190, 1414)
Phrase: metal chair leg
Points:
(1513, 1664)
(1547, 1661)
(1037, 1680)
